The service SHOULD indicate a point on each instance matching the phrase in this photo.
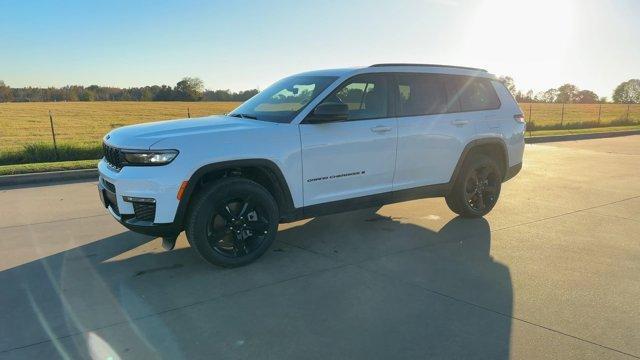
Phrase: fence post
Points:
(189, 113)
(562, 116)
(628, 105)
(599, 112)
(53, 134)
(530, 121)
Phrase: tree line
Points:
(627, 92)
(187, 89)
(192, 89)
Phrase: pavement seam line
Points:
(435, 292)
(52, 221)
(175, 308)
(563, 214)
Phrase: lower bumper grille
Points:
(144, 212)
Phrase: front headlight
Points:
(151, 157)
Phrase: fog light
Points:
(133, 199)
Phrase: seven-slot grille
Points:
(112, 155)
(144, 211)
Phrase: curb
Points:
(47, 177)
(92, 174)
(571, 137)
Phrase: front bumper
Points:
(108, 199)
(157, 219)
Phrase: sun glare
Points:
(538, 33)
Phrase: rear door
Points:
(353, 158)
(432, 131)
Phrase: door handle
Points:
(380, 129)
(459, 122)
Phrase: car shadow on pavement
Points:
(351, 286)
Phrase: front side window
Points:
(282, 101)
(365, 95)
(421, 94)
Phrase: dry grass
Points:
(85, 123)
(551, 114)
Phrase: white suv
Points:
(315, 143)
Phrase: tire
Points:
(232, 222)
(477, 188)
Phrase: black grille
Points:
(109, 186)
(144, 211)
(112, 155)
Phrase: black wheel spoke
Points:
(480, 201)
(224, 211)
(491, 189)
(259, 227)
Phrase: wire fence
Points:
(551, 116)
(84, 124)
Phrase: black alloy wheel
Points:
(481, 188)
(477, 187)
(232, 222)
(238, 227)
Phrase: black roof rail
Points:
(429, 65)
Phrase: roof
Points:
(402, 67)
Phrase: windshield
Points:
(282, 101)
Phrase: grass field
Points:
(80, 126)
(551, 115)
(85, 123)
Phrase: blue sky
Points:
(246, 44)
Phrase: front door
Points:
(356, 157)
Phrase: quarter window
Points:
(473, 94)
(365, 95)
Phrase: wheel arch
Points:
(263, 171)
(493, 146)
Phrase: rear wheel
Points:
(232, 222)
(477, 188)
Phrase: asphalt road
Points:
(553, 272)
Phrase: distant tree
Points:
(586, 97)
(567, 93)
(508, 83)
(5, 92)
(603, 100)
(549, 96)
(627, 92)
(189, 88)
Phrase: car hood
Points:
(143, 136)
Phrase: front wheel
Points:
(477, 188)
(232, 222)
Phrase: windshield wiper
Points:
(244, 116)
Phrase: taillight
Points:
(519, 118)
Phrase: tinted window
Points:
(421, 94)
(366, 96)
(473, 94)
(282, 101)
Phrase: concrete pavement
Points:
(552, 272)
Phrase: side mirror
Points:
(328, 112)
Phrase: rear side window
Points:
(365, 95)
(421, 94)
(472, 94)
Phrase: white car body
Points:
(319, 163)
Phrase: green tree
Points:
(190, 89)
(567, 93)
(5, 92)
(627, 92)
(549, 96)
(586, 97)
(508, 83)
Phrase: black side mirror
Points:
(328, 112)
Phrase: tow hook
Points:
(169, 242)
